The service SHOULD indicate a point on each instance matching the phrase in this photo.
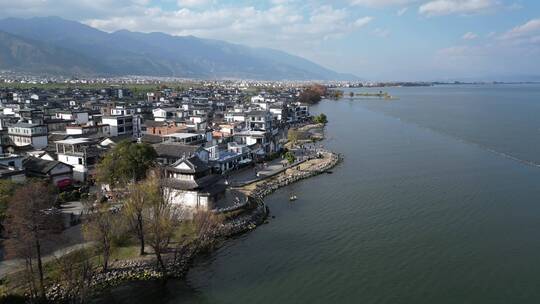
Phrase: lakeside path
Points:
(308, 168)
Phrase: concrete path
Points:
(261, 171)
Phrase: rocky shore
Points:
(179, 260)
(318, 166)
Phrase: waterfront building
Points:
(191, 185)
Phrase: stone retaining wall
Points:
(265, 188)
(178, 263)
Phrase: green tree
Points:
(321, 119)
(125, 163)
(289, 156)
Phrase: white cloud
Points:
(193, 3)
(381, 3)
(402, 11)
(469, 36)
(519, 45)
(463, 7)
(361, 22)
(527, 29)
(382, 33)
(284, 26)
(71, 9)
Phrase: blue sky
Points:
(374, 39)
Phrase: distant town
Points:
(21, 80)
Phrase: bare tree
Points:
(135, 204)
(102, 226)
(161, 217)
(293, 135)
(75, 274)
(30, 222)
(207, 226)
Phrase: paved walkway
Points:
(69, 240)
(261, 171)
(10, 266)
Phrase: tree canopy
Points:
(312, 94)
(321, 119)
(126, 162)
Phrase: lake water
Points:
(437, 201)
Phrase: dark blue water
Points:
(438, 201)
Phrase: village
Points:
(218, 150)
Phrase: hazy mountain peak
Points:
(125, 52)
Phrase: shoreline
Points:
(180, 261)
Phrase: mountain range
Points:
(54, 45)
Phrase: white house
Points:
(185, 138)
(161, 114)
(259, 120)
(101, 130)
(80, 153)
(80, 117)
(190, 185)
(235, 117)
(123, 111)
(23, 134)
(119, 125)
(11, 168)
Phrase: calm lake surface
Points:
(438, 201)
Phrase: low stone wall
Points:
(265, 188)
(178, 263)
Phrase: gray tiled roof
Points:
(42, 166)
(174, 150)
(194, 163)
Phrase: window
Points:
(80, 161)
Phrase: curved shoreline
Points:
(180, 261)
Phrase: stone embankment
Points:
(177, 261)
(310, 168)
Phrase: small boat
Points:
(293, 198)
(329, 172)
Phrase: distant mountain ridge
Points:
(59, 46)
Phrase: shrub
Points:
(289, 156)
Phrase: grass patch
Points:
(124, 253)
